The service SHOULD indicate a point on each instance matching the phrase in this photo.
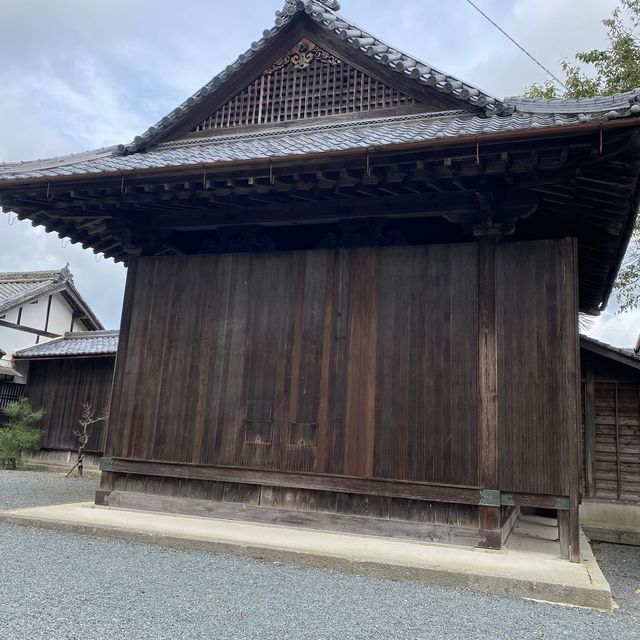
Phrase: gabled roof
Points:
(73, 345)
(365, 44)
(20, 288)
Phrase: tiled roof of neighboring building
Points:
(21, 287)
(603, 347)
(18, 288)
(85, 343)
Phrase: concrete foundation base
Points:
(529, 566)
(615, 522)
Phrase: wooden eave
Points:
(609, 352)
(525, 177)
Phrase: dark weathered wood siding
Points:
(60, 386)
(359, 362)
(537, 365)
(356, 362)
(611, 422)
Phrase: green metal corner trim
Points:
(490, 498)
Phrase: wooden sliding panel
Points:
(537, 373)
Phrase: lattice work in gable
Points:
(307, 82)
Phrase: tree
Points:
(87, 418)
(613, 70)
(20, 433)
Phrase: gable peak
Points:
(333, 24)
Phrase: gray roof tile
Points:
(264, 143)
(21, 287)
(85, 343)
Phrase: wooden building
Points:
(62, 375)
(380, 269)
(611, 437)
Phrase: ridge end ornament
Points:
(334, 5)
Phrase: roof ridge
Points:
(269, 131)
(32, 276)
(325, 13)
(100, 333)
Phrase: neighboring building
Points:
(353, 288)
(37, 306)
(63, 374)
(611, 439)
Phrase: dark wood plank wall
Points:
(537, 372)
(358, 362)
(612, 429)
(355, 362)
(60, 387)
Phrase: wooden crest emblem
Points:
(301, 55)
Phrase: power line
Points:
(504, 33)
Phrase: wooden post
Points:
(573, 416)
(487, 379)
(563, 533)
(590, 433)
(618, 476)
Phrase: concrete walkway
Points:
(529, 567)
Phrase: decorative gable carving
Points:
(306, 82)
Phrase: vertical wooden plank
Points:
(114, 441)
(363, 311)
(590, 431)
(487, 380)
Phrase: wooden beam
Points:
(20, 327)
(448, 205)
(321, 482)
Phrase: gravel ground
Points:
(68, 586)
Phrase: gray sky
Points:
(80, 74)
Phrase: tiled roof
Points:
(85, 343)
(19, 288)
(633, 357)
(264, 143)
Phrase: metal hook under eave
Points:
(50, 194)
(601, 138)
(204, 179)
(123, 189)
(271, 178)
(368, 164)
(477, 150)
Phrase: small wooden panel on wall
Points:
(367, 358)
